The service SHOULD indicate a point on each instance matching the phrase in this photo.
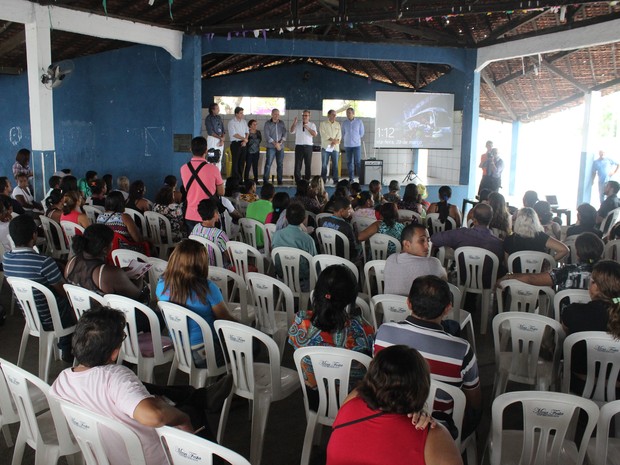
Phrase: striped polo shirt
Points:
(451, 359)
(24, 262)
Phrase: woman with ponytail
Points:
(330, 323)
(72, 209)
(53, 205)
(280, 203)
(444, 208)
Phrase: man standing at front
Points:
(604, 168)
(275, 135)
(215, 129)
(330, 145)
(238, 131)
(304, 131)
(352, 134)
(201, 180)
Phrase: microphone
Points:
(303, 127)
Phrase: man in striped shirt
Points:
(24, 262)
(451, 359)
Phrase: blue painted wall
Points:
(14, 120)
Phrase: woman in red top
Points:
(373, 426)
(72, 211)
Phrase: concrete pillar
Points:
(186, 91)
(591, 118)
(514, 150)
(471, 111)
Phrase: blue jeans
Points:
(354, 155)
(325, 157)
(279, 156)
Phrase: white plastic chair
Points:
(24, 292)
(46, 433)
(374, 273)
(516, 296)
(235, 293)
(379, 244)
(146, 350)
(470, 264)
(522, 362)
(97, 434)
(92, 212)
(274, 304)
(605, 450)
(328, 242)
(612, 250)
(250, 231)
(139, 219)
(432, 220)
(465, 321)
(570, 243)
(603, 354)
(213, 249)
(322, 261)
(154, 222)
(360, 223)
(457, 295)
(612, 218)
(393, 307)
(241, 253)
(80, 299)
(8, 411)
(406, 216)
(55, 238)
(544, 438)
(573, 296)
(183, 448)
(332, 370)
(122, 257)
(262, 383)
(310, 219)
(177, 320)
(70, 229)
(291, 262)
(158, 266)
(270, 230)
(243, 207)
(530, 261)
(467, 444)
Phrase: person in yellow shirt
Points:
(330, 145)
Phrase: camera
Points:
(213, 155)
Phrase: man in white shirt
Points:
(330, 145)
(304, 131)
(238, 131)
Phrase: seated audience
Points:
(586, 221)
(122, 186)
(589, 250)
(166, 205)
(107, 178)
(305, 197)
(279, 203)
(354, 189)
(261, 208)
(413, 261)
(249, 195)
(374, 187)
(294, 236)
(54, 183)
(185, 282)
(69, 183)
(529, 235)
(387, 225)
(24, 262)
(54, 204)
(72, 211)
(610, 203)
(501, 221)
(338, 221)
(98, 191)
(411, 200)
(393, 195)
(483, 197)
(545, 215)
(171, 182)
(373, 426)
(317, 190)
(136, 200)
(85, 183)
(5, 218)
(6, 190)
(98, 383)
(444, 208)
(121, 223)
(451, 359)
(207, 209)
(22, 194)
(232, 190)
(365, 206)
(601, 314)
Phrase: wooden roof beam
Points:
(423, 32)
(13, 42)
(530, 68)
(558, 72)
(511, 26)
(499, 94)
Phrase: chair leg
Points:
(22, 346)
(260, 413)
(20, 446)
(224, 418)
(46, 342)
(6, 432)
(173, 371)
(484, 316)
(309, 438)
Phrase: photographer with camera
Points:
(201, 179)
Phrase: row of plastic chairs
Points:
(45, 423)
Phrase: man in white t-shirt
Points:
(99, 384)
(403, 268)
(304, 131)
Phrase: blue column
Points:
(471, 107)
(185, 88)
(514, 149)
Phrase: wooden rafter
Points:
(558, 72)
(499, 94)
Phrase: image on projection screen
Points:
(414, 120)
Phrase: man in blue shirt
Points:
(604, 168)
(352, 134)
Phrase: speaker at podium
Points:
(371, 169)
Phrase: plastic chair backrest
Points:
(154, 221)
(603, 357)
(80, 299)
(530, 261)
(8, 411)
(177, 319)
(215, 254)
(458, 406)
(612, 250)
(470, 272)
(379, 244)
(54, 237)
(332, 370)
(394, 307)
(183, 448)
(122, 257)
(92, 212)
(570, 243)
(573, 296)
(231, 285)
(329, 239)
(70, 229)
(291, 260)
(547, 417)
(139, 219)
(92, 433)
(360, 223)
(607, 413)
(270, 230)
(526, 335)
(524, 297)
(269, 295)
(238, 338)
(611, 219)
(155, 272)
(406, 216)
(432, 220)
(320, 216)
(375, 269)
(457, 295)
(240, 254)
(243, 207)
(322, 261)
(311, 219)
(250, 231)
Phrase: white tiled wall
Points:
(441, 166)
